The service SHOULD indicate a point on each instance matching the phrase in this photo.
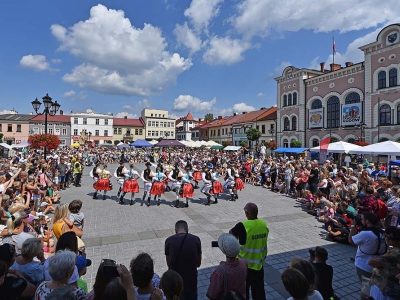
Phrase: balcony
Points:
(128, 136)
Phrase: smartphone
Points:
(110, 271)
(214, 244)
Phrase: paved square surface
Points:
(120, 232)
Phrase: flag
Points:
(324, 144)
(334, 46)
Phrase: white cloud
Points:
(82, 95)
(70, 94)
(117, 57)
(186, 37)
(259, 95)
(279, 69)
(259, 17)
(225, 51)
(188, 102)
(173, 116)
(56, 61)
(4, 112)
(139, 106)
(237, 108)
(126, 114)
(35, 62)
(201, 12)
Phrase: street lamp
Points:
(49, 106)
(361, 126)
(166, 135)
(89, 134)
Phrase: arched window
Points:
(316, 104)
(315, 142)
(286, 124)
(351, 141)
(294, 98)
(333, 112)
(384, 115)
(398, 114)
(284, 100)
(294, 123)
(334, 140)
(289, 100)
(383, 140)
(352, 98)
(381, 80)
(393, 77)
(285, 143)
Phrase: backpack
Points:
(381, 209)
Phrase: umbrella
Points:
(338, 147)
(75, 145)
(24, 144)
(7, 146)
(141, 143)
(123, 146)
(169, 143)
(153, 142)
(107, 145)
(232, 148)
(384, 148)
(217, 147)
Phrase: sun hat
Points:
(82, 262)
(229, 245)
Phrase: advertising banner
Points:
(315, 118)
(351, 114)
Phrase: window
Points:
(62, 142)
(57, 131)
(351, 141)
(119, 130)
(316, 104)
(352, 98)
(294, 123)
(294, 98)
(84, 121)
(258, 127)
(106, 122)
(333, 112)
(1, 127)
(97, 121)
(285, 143)
(128, 131)
(140, 131)
(149, 123)
(64, 131)
(96, 132)
(115, 130)
(286, 124)
(219, 132)
(18, 128)
(41, 130)
(289, 100)
(383, 140)
(9, 127)
(398, 114)
(384, 115)
(50, 130)
(315, 142)
(75, 120)
(105, 132)
(393, 77)
(75, 131)
(381, 80)
(35, 130)
(284, 100)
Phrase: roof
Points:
(189, 117)
(127, 122)
(216, 122)
(270, 114)
(15, 117)
(201, 123)
(50, 118)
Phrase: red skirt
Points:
(102, 185)
(216, 188)
(166, 174)
(239, 185)
(197, 175)
(130, 186)
(188, 191)
(157, 188)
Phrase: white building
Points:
(98, 127)
(158, 124)
(184, 127)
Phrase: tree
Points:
(116, 142)
(1, 137)
(38, 141)
(253, 134)
(209, 117)
(160, 139)
(243, 143)
(295, 144)
(109, 142)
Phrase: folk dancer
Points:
(94, 173)
(147, 176)
(196, 175)
(130, 185)
(176, 178)
(120, 175)
(103, 184)
(157, 187)
(216, 185)
(167, 170)
(187, 187)
(229, 183)
(206, 176)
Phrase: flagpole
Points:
(333, 49)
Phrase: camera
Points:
(312, 252)
(214, 244)
(356, 218)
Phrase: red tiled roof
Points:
(127, 122)
(50, 118)
(189, 117)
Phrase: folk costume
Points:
(147, 176)
(94, 173)
(187, 189)
(216, 188)
(130, 185)
(197, 176)
(229, 183)
(206, 176)
(120, 175)
(103, 184)
(176, 178)
(157, 189)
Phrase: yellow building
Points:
(158, 124)
(130, 130)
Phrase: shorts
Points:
(61, 179)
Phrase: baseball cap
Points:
(229, 245)
(31, 218)
(82, 262)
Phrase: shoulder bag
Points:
(179, 252)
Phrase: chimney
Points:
(219, 117)
(335, 67)
(322, 67)
(234, 114)
(199, 119)
(348, 64)
(61, 112)
(244, 113)
(125, 117)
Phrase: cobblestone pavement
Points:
(121, 232)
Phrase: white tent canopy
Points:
(7, 146)
(384, 148)
(232, 148)
(338, 147)
(153, 142)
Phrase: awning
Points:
(290, 150)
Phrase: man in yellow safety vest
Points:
(253, 236)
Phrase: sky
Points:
(202, 56)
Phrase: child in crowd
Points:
(308, 198)
(76, 216)
(280, 186)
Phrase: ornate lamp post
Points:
(49, 105)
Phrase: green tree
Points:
(1, 137)
(295, 144)
(109, 142)
(160, 139)
(253, 134)
(209, 117)
(243, 143)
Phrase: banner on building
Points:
(351, 114)
(323, 149)
(315, 118)
(323, 154)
